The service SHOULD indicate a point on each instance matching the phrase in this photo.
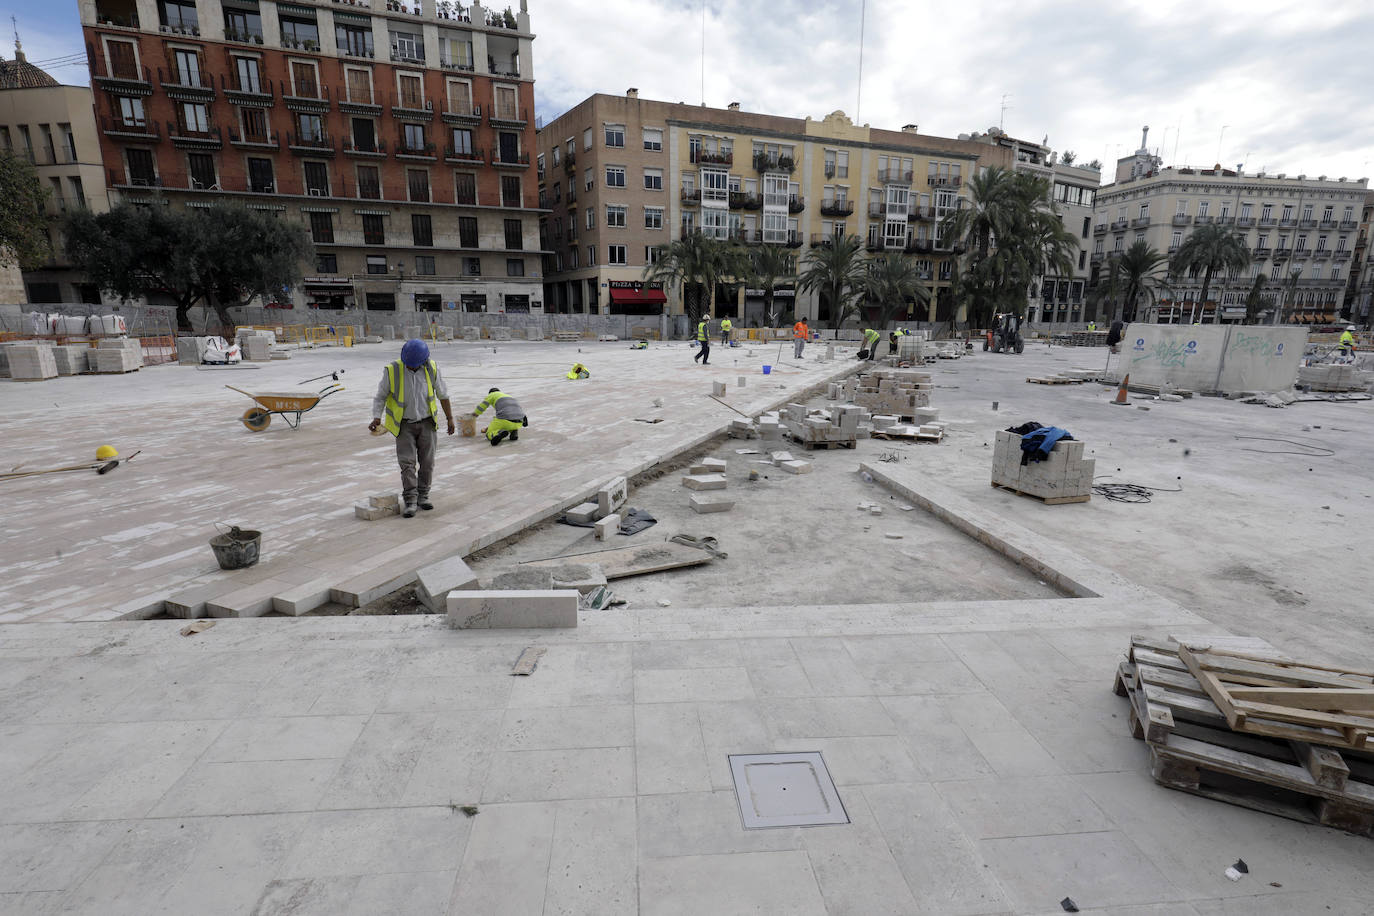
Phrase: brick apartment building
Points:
(400, 134)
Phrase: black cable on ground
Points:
(1316, 451)
(1129, 492)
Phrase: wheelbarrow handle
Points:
(241, 391)
(331, 389)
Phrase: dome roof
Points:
(20, 74)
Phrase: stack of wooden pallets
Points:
(1242, 724)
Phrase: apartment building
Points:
(398, 132)
(1300, 232)
(621, 175)
(1360, 288)
(1053, 298)
(51, 125)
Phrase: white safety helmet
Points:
(1350, 327)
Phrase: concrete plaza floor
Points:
(322, 765)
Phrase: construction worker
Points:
(1092, 325)
(703, 343)
(509, 419)
(871, 342)
(800, 335)
(407, 405)
(892, 340)
(578, 371)
(725, 328)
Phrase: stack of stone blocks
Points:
(1065, 473)
(1333, 378)
(31, 362)
(116, 354)
(706, 475)
(839, 424)
(601, 511)
(71, 359)
(890, 391)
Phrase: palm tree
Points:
(836, 272)
(1255, 299)
(697, 263)
(1134, 276)
(770, 265)
(1210, 248)
(892, 281)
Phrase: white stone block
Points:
(707, 504)
(433, 583)
(780, 457)
(512, 609)
(716, 465)
(613, 495)
(372, 513)
(718, 389)
(796, 467)
(607, 526)
(584, 513)
(704, 482)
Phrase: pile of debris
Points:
(1233, 720)
(1333, 378)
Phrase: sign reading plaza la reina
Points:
(636, 285)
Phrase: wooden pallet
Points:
(903, 437)
(812, 446)
(1056, 381)
(1192, 749)
(1047, 500)
(566, 336)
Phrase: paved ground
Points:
(322, 765)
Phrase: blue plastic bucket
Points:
(767, 370)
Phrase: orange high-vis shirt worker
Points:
(800, 335)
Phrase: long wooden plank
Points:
(1285, 674)
(1306, 716)
(1233, 653)
(1317, 698)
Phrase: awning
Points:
(638, 296)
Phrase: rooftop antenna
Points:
(1217, 158)
(1177, 132)
(1002, 118)
(858, 99)
(703, 53)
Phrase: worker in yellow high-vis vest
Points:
(407, 405)
(509, 419)
(726, 326)
(703, 343)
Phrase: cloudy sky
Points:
(1279, 85)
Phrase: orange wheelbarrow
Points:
(258, 417)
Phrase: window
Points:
(424, 265)
(374, 231)
(412, 96)
(123, 61)
(1267, 211)
(572, 258)
(1245, 210)
(472, 267)
(364, 135)
(1307, 212)
(510, 191)
(326, 263)
(615, 176)
(316, 179)
(588, 179)
(1287, 212)
(369, 184)
(421, 230)
(467, 232)
(413, 138)
(1144, 211)
(242, 25)
(515, 267)
(653, 138)
(417, 183)
(376, 264)
(1203, 206)
(616, 254)
(303, 82)
(179, 15)
(591, 218)
(586, 139)
(615, 217)
(715, 185)
(651, 254)
(1087, 225)
(249, 77)
(1182, 208)
(202, 167)
(260, 178)
(615, 135)
(462, 142)
(465, 188)
(194, 117)
(352, 39)
(653, 179)
(515, 234)
(1263, 243)
(322, 228)
(408, 46)
(653, 217)
(186, 66)
(299, 33)
(715, 222)
(460, 97)
(131, 112)
(310, 127)
(591, 255)
(1175, 240)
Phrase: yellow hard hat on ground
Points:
(106, 452)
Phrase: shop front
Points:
(633, 297)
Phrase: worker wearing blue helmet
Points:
(407, 405)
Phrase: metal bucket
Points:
(238, 549)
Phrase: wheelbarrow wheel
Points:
(256, 419)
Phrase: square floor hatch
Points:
(785, 790)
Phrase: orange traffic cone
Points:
(1121, 392)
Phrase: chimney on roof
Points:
(632, 93)
(733, 106)
(908, 128)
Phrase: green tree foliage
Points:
(836, 271)
(22, 217)
(1210, 248)
(1131, 279)
(1256, 300)
(770, 265)
(222, 255)
(698, 264)
(890, 283)
(1011, 234)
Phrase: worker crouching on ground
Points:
(578, 371)
(703, 343)
(509, 419)
(407, 405)
(892, 339)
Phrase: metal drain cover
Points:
(785, 790)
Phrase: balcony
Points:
(413, 109)
(395, 6)
(510, 159)
(508, 66)
(877, 211)
(301, 44)
(739, 200)
(1140, 222)
(1118, 225)
(448, 63)
(408, 56)
(893, 176)
(1343, 255)
(691, 196)
(837, 208)
(1301, 254)
(365, 149)
(1244, 222)
(473, 156)
(794, 239)
(952, 181)
(189, 138)
(186, 87)
(708, 157)
(305, 96)
(767, 162)
(123, 82)
(822, 240)
(1101, 228)
(320, 145)
(1203, 219)
(1267, 222)
(247, 38)
(1328, 225)
(270, 140)
(1225, 220)
(126, 19)
(570, 163)
(250, 94)
(1097, 257)
(507, 116)
(463, 113)
(1322, 253)
(360, 104)
(1307, 223)
(416, 152)
(1182, 219)
(1348, 225)
(130, 130)
(1261, 254)
(796, 203)
(134, 181)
